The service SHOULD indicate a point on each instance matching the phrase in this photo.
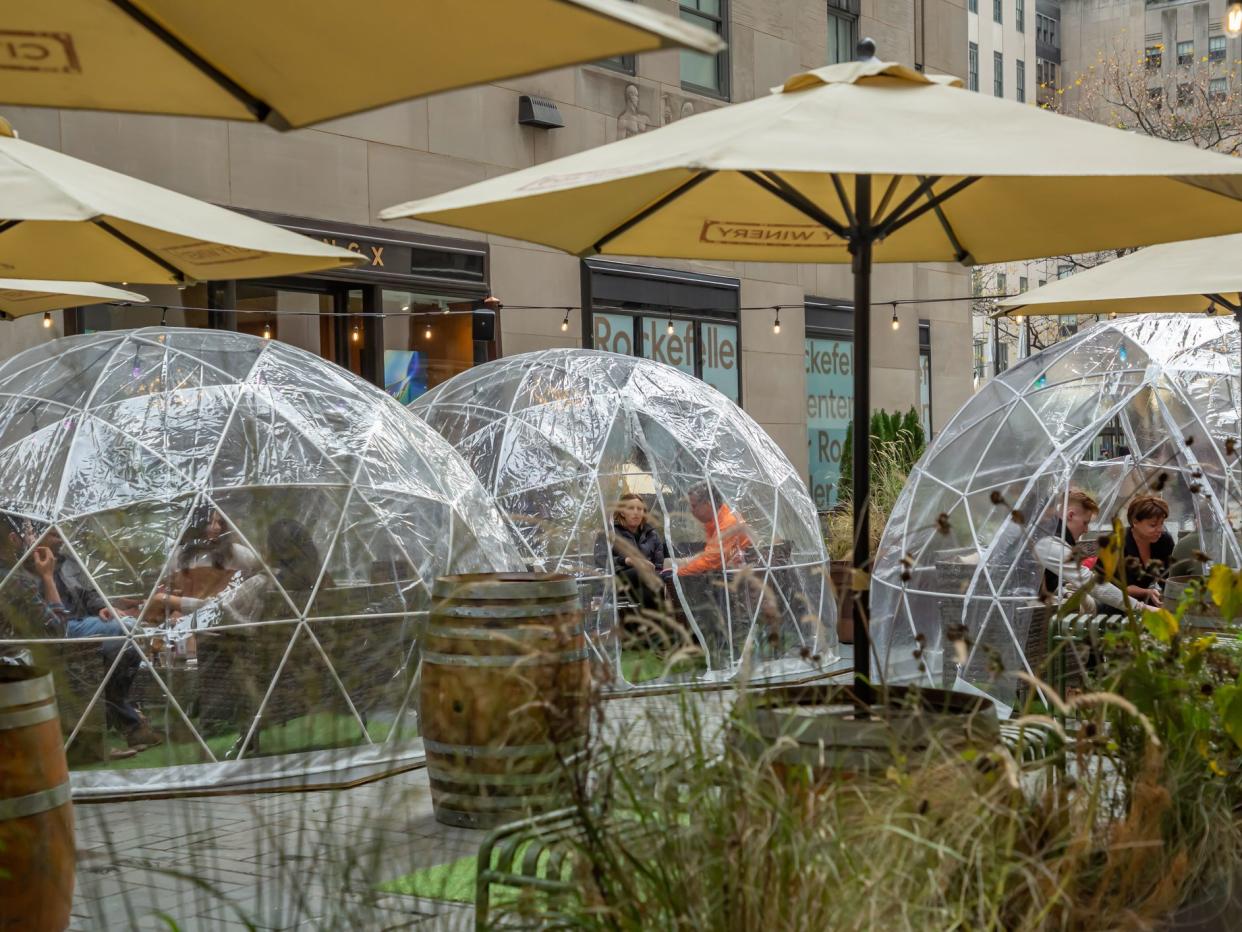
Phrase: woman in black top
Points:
(1148, 549)
(638, 553)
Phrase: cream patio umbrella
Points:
(1192, 277)
(62, 218)
(289, 63)
(860, 162)
(22, 297)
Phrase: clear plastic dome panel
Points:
(1123, 408)
(222, 551)
(557, 438)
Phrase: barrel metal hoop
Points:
(23, 718)
(500, 635)
(21, 806)
(467, 805)
(495, 779)
(520, 750)
(26, 692)
(535, 658)
(522, 610)
(447, 588)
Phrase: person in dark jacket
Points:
(1148, 549)
(638, 553)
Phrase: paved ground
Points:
(295, 860)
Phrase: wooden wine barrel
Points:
(503, 699)
(829, 740)
(36, 819)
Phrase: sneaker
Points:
(142, 737)
(121, 753)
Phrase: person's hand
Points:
(43, 562)
(1153, 598)
(107, 614)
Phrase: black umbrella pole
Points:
(861, 248)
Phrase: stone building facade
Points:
(332, 180)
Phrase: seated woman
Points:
(210, 556)
(1148, 549)
(638, 553)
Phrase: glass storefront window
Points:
(613, 333)
(669, 341)
(720, 358)
(829, 407)
(429, 340)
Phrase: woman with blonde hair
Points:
(638, 552)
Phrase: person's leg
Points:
(122, 714)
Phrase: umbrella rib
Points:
(778, 187)
(8, 225)
(651, 209)
(925, 185)
(845, 201)
(133, 244)
(896, 223)
(1224, 302)
(259, 109)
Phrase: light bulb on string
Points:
(671, 329)
(1233, 18)
(896, 322)
(565, 322)
(267, 331)
(47, 320)
(776, 324)
(427, 332)
(356, 336)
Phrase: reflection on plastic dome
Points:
(1123, 408)
(217, 544)
(568, 441)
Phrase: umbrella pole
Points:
(860, 247)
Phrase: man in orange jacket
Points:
(726, 535)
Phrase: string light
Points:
(47, 320)
(896, 322)
(776, 324)
(267, 331)
(356, 335)
(427, 332)
(671, 330)
(565, 322)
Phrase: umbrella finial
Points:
(866, 49)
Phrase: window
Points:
(1185, 94)
(1045, 29)
(1185, 52)
(1046, 74)
(1153, 57)
(1002, 357)
(1023, 283)
(829, 411)
(1019, 15)
(1065, 270)
(1020, 80)
(1216, 48)
(1218, 89)
(998, 8)
(973, 6)
(1042, 282)
(1068, 326)
(1001, 282)
(707, 74)
(998, 74)
(981, 371)
(1156, 96)
(972, 68)
(925, 383)
(842, 30)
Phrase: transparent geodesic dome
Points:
(558, 436)
(1120, 409)
(263, 528)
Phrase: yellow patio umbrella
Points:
(1191, 277)
(62, 218)
(289, 63)
(860, 162)
(22, 297)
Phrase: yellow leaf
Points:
(1224, 585)
(1162, 624)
